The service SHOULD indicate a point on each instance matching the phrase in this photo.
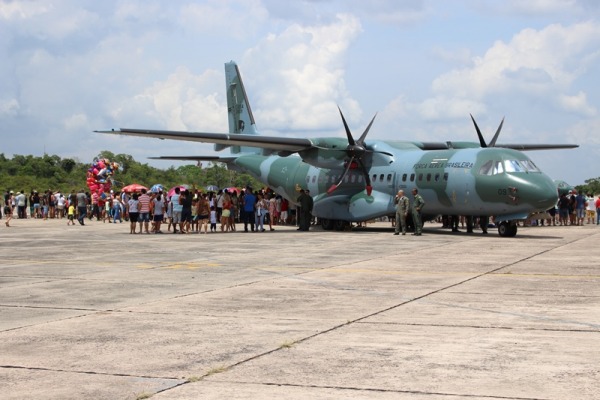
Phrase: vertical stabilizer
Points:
(239, 113)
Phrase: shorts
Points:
(186, 216)
(203, 217)
(563, 213)
(71, 217)
(176, 217)
(144, 217)
(157, 218)
(580, 212)
(133, 216)
(7, 210)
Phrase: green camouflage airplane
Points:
(355, 180)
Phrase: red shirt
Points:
(144, 203)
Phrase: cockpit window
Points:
(493, 168)
(520, 166)
(530, 166)
(513, 166)
(486, 169)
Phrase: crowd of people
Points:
(185, 211)
(191, 211)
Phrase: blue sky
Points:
(71, 67)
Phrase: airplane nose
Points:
(545, 193)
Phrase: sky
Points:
(69, 67)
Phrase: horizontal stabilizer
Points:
(227, 139)
(225, 160)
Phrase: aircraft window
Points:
(321, 177)
(353, 178)
(428, 177)
(360, 178)
(498, 168)
(486, 169)
(513, 166)
(404, 176)
(420, 177)
(374, 177)
(389, 177)
(381, 177)
(346, 178)
(314, 178)
(446, 176)
(412, 177)
(529, 166)
(437, 177)
(307, 179)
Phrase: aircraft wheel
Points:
(327, 224)
(340, 225)
(503, 229)
(507, 229)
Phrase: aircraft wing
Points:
(196, 158)
(290, 145)
(529, 147)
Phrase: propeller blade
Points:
(350, 138)
(481, 140)
(363, 168)
(362, 138)
(333, 187)
(493, 142)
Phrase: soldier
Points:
(417, 206)
(305, 211)
(402, 206)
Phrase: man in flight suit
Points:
(402, 207)
(417, 206)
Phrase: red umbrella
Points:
(171, 191)
(134, 187)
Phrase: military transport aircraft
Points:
(357, 179)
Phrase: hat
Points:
(11, 192)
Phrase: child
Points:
(213, 219)
(71, 214)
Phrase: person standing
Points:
(82, 203)
(417, 206)
(249, 202)
(590, 209)
(402, 207)
(305, 203)
(159, 211)
(144, 211)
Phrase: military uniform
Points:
(305, 211)
(402, 207)
(417, 206)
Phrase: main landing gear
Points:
(334, 224)
(507, 229)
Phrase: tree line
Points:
(28, 172)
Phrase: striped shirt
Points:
(144, 203)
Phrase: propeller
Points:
(492, 142)
(356, 150)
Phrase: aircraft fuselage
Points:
(474, 181)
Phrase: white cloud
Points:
(9, 107)
(180, 102)
(577, 104)
(534, 63)
(76, 122)
(300, 73)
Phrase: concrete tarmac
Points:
(97, 313)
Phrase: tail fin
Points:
(241, 120)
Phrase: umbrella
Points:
(157, 188)
(181, 188)
(212, 188)
(134, 187)
(234, 189)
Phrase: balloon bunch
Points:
(99, 176)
